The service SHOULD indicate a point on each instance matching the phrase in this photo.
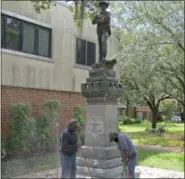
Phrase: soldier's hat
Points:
(105, 3)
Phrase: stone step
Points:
(101, 173)
(100, 164)
(80, 176)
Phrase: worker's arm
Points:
(65, 144)
(124, 149)
(125, 155)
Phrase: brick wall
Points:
(142, 108)
(10, 95)
(147, 115)
(132, 112)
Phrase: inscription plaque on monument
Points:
(95, 126)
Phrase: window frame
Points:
(36, 38)
(86, 55)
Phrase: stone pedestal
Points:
(101, 91)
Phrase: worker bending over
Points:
(127, 150)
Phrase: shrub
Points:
(50, 108)
(157, 130)
(77, 114)
(161, 129)
(44, 139)
(128, 120)
(29, 136)
(51, 104)
(138, 121)
(22, 129)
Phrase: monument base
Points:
(101, 173)
(103, 162)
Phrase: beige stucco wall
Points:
(60, 72)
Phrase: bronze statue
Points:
(103, 30)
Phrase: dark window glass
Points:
(2, 31)
(43, 42)
(91, 53)
(28, 38)
(12, 27)
(81, 52)
(85, 52)
(25, 37)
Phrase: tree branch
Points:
(165, 96)
(165, 28)
(180, 101)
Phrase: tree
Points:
(139, 75)
(172, 68)
(168, 107)
(153, 30)
(129, 98)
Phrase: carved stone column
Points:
(101, 91)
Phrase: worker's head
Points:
(113, 136)
(73, 125)
(103, 5)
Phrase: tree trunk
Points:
(183, 115)
(127, 107)
(155, 111)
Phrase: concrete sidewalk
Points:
(145, 172)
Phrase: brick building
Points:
(45, 56)
(141, 112)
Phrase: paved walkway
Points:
(145, 172)
(149, 172)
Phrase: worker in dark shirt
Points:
(127, 150)
(68, 149)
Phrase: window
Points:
(43, 42)
(85, 52)
(140, 115)
(12, 34)
(25, 37)
(2, 30)
(91, 56)
(28, 38)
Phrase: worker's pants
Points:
(132, 165)
(68, 164)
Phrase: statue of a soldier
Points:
(103, 30)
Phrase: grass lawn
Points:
(172, 138)
(177, 128)
(161, 159)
